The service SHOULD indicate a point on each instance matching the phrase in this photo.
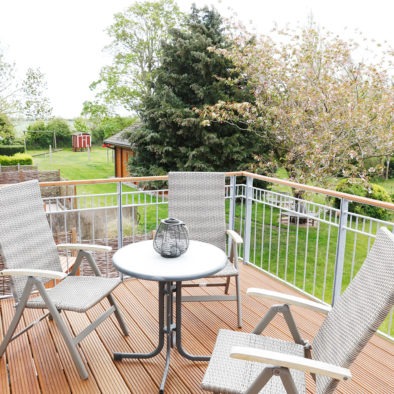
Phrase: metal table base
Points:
(168, 328)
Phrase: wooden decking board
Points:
(372, 370)
(45, 355)
(373, 366)
(22, 373)
(4, 381)
(113, 339)
(189, 342)
(147, 324)
(80, 386)
(98, 359)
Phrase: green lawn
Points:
(96, 164)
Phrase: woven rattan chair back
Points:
(359, 312)
(197, 198)
(25, 231)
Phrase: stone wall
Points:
(7, 177)
(16, 168)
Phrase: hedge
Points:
(18, 158)
(9, 150)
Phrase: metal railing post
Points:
(231, 214)
(340, 253)
(248, 218)
(231, 218)
(120, 215)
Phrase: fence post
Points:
(120, 215)
(340, 253)
(248, 218)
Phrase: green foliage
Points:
(55, 132)
(9, 150)
(110, 126)
(136, 36)
(391, 168)
(62, 130)
(101, 123)
(7, 133)
(174, 137)
(81, 125)
(327, 115)
(18, 158)
(361, 187)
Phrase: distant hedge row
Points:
(9, 150)
(18, 158)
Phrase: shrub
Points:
(360, 187)
(9, 150)
(18, 158)
(110, 126)
(7, 133)
(41, 135)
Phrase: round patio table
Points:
(141, 261)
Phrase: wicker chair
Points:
(31, 259)
(252, 363)
(197, 198)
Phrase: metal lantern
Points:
(172, 238)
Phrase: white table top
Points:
(140, 260)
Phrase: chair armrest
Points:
(289, 299)
(33, 272)
(88, 247)
(234, 236)
(290, 361)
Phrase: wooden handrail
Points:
(327, 192)
(299, 186)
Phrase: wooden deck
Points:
(39, 362)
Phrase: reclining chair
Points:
(31, 260)
(197, 198)
(252, 363)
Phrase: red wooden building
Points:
(81, 141)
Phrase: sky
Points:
(66, 38)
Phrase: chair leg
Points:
(118, 315)
(18, 314)
(68, 339)
(239, 308)
(267, 374)
(227, 285)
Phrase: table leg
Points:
(168, 330)
(178, 329)
(120, 356)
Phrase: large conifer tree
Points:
(173, 136)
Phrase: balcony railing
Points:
(307, 243)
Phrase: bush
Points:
(9, 150)
(41, 135)
(360, 187)
(7, 134)
(18, 158)
(110, 126)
